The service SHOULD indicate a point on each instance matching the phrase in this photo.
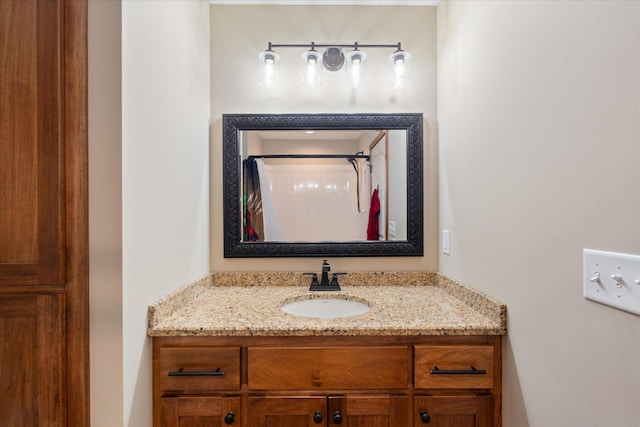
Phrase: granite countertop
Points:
(248, 304)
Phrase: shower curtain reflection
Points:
(269, 217)
(259, 221)
(251, 202)
(318, 202)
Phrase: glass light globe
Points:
(268, 70)
(311, 68)
(356, 67)
(400, 61)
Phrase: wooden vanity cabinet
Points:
(327, 381)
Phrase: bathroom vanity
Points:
(428, 352)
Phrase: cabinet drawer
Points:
(455, 366)
(199, 368)
(344, 368)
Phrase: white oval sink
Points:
(326, 308)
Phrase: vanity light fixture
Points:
(333, 59)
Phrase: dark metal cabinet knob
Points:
(337, 417)
(425, 417)
(229, 418)
(317, 417)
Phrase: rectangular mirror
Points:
(322, 185)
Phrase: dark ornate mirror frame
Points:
(234, 123)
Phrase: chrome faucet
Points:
(324, 284)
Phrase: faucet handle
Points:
(314, 279)
(334, 279)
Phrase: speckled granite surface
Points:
(246, 304)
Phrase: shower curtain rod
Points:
(311, 156)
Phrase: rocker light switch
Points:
(612, 278)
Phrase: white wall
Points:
(165, 181)
(240, 33)
(539, 130)
(105, 212)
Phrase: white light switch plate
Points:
(392, 229)
(445, 242)
(612, 278)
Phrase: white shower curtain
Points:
(269, 218)
(316, 202)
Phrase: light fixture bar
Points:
(310, 156)
(353, 45)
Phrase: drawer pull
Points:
(181, 373)
(472, 371)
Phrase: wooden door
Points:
(43, 213)
(200, 412)
(368, 411)
(32, 355)
(287, 411)
(458, 411)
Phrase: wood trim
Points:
(51, 310)
(77, 209)
(497, 385)
(31, 289)
(51, 143)
(383, 137)
(297, 341)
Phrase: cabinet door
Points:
(458, 411)
(32, 365)
(200, 412)
(287, 411)
(368, 411)
(32, 198)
